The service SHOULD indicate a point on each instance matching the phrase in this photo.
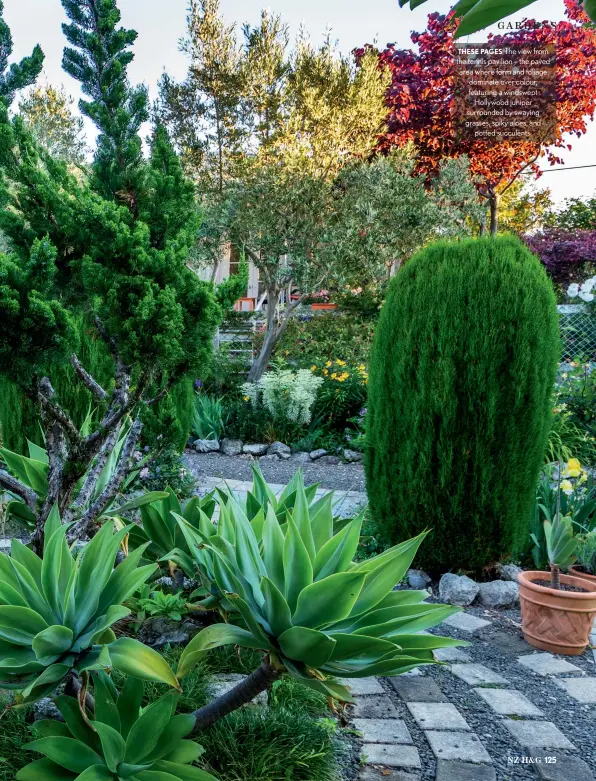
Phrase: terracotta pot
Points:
(323, 306)
(579, 573)
(553, 620)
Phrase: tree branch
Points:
(113, 486)
(15, 486)
(259, 681)
(45, 394)
(90, 383)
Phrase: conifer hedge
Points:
(462, 370)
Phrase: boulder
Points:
(418, 579)
(231, 447)
(329, 460)
(301, 458)
(499, 593)
(159, 632)
(255, 450)
(458, 589)
(206, 445)
(45, 710)
(509, 572)
(270, 457)
(352, 456)
(279, 449)
(315, 454)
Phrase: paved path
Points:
(347, 503)
(412, 729)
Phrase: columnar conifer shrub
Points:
(461, 376)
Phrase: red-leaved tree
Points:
(568, 257)
(421, 100)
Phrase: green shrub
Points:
(459, 406)
(258, 744)
(14, 733)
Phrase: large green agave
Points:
(119, 741)
(56, 613)
(303, 600)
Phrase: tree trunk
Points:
(493, 199)
(240, 695)
(555, 579)
(272, 335)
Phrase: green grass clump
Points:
(291, 695)
(261, 744)
(230, 659)
(14, 733)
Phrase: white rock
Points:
(510, 572)
(255, 450)
(458, 589)
(231, 447)
(314, 454)
(206, 445)
(352, 455)
(418, 579)
(499, 593)
(278, 449)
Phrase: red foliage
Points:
(420, 97)
(565, 255)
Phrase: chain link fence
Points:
(578, 331)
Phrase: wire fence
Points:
(578, 332)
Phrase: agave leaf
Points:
(298, 571)
(52, 642)
(129, 704)
(168, 770)
(307, 645)
(47, 682)
(277, 611)
(131, 657)
(337, 554)
(67, 752)
(79, 728)
(125, 579)
(50, 728)
(273, 549)
(44, 770)
(178, 728)
(186, 751)
(146, 731)
(213, 637)
(106, 710)
(20, 624)
(329, 600)
(112, 744)
(301, 518)
(139, 501)
(56, 567)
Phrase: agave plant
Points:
(119, 741)
(303, 601)
(56, 613)
(32, 471)
(561, 545)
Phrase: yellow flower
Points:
(328, 364)
(362, 367)
(340, 363)
(313, 368)
(334, 375)
(574, 468)
(325, 372)
(246, 398)
(566, 486)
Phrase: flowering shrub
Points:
(343, 391)
(583, 290)
(288, 396)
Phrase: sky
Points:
(161, 24)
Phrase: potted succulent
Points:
(557, 612)
(586, 557)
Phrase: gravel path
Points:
(341, 477)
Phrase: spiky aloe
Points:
(301, 599)
(56, 613)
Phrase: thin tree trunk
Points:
(271, 338)
(259, 681)
(494, 213)
(555, 578)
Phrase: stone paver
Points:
(581, 689)
(369, 773)
(465, 622)
(538, 734)
(508, 702)
(383, 730)
(437, 715)
(463, 771)
(391, 755)
(417, 689)
(477, 674)
(564, 769)
(547, 664)
(463, 746)
(374, 707)
(363, 686)
(450, 655)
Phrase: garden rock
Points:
(331, 460)
(301, 457)
(231, 447)
(499, 593)
(510, 572)
(279, 449)
(255, 450)
(206, 445)
(315, 454)
(352, 455)
(159, 632)
(45, 710)
(270, 457)
(458, 589)
(418, 579)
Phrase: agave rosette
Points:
(56, 613)
(119, 741)
(304, 601)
